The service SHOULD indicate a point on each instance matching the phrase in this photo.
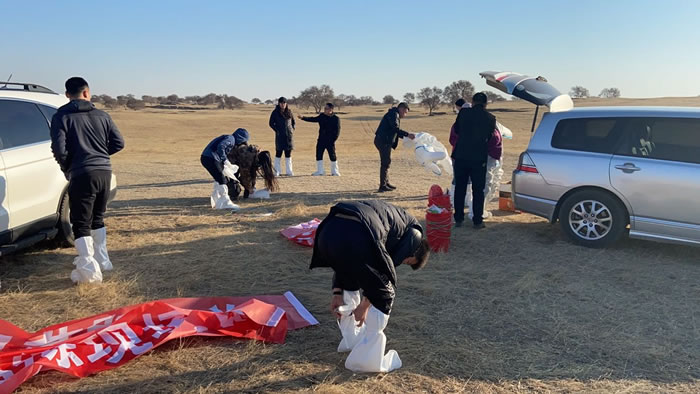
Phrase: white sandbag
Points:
(348, 325)
(262, 193)
(368, 354)
(220, 199)
(430, 153)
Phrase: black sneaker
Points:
(479, 226)
(390, 186)
(383, 189)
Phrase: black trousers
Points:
(322, 146)
(88, 194)
(287, 153)
(215, 168)
(464, 170)
(384, 160)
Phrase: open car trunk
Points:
(533, 89)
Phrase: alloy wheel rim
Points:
(590, 220)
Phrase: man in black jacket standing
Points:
(387, 138)
(82, 139)
(474, 127)
(328, 132)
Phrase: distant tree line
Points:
(221, 101)
(581, 92)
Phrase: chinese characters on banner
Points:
(90, 345)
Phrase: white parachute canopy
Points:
(505, 132)
(430, 153)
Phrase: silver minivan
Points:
(603, 170)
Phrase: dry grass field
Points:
(512, 308)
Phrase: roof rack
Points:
(27, 87)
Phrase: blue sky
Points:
(273, 48)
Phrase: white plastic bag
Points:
(348, 325)
(230, 170)
(262, 193)
(368, 354)
(430, 153)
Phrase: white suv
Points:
(33, 190)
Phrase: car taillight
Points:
(526, 164)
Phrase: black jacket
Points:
(474, 126)
(328, 127)
(389, 130)
(387, 224)
(284, 129)
(83, 138)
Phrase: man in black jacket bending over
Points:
(386, 139)
(328, 132)
(82, 139)
(363, 242)
(474, 128)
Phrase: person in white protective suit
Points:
(215, 160)
(363, 242)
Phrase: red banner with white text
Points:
(86, 346)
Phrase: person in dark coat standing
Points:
(328, 132)
(474, 128)
(82, 140)
(387, 138)
(283, 123)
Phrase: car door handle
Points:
(628, 168)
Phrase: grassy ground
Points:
(512, 308)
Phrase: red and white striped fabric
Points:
(303, 233)
(86, 346)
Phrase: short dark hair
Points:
(403, 105)
(480, 98)
(75, 86)
(422, 254)
(460, 102)
(281, 100)
(330, 105)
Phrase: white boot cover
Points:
(87, 269)
(221, 200)
(348, 325)
(99, 238)
(334, 168)
(288, 162)
(368, 355)
(278, 166)
(319, 168)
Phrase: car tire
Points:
(65, 229)
(593, 218)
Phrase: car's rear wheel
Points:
(593, 218)
(65, 230)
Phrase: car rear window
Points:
(672, 139)
(599, 135)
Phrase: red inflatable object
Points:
(439, 225)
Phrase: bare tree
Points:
(269, 102)
(148, 99)
(121, 100)
(493, 97)
(456, 90)
(135, 104)
(430, 98)
(96, 98)
(316, 96)
(255, 101)
(609, 93)
(388, 99)
(409, 98)
(579, 92)
(108, 101)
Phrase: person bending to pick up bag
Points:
(363, 242)
(251, 162)
(215, 159)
